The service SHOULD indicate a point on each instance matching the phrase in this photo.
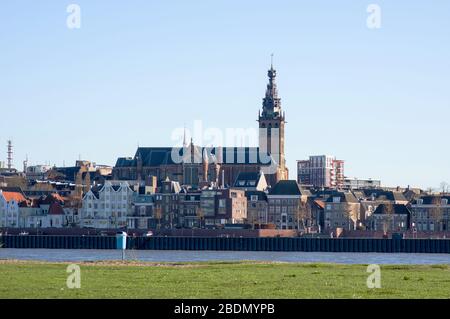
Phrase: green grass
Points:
(221, 280)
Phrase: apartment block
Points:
(321, 171)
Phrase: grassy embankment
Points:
(20, 279)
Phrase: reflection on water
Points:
(190, 256)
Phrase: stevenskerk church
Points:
(219, 165)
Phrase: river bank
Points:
(113, 279)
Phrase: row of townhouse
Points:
(249, 201)
(112, 206)
(431, 213)
(381, 210)
(48, 211)
(290, 206)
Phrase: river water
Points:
(193, 256)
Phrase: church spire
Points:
(271, 102)
(184, 137)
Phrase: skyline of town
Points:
(359, 94)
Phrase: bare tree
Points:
(201, 216)
(389, 211)
(436, 212)
(302, 214)
(351, 213)
(444, 186)
(158, 215)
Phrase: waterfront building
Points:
(191, 215)
(107, 206)
(142, 211)
(257, 208)
(167, 204)
(431, 213)
(221, 207)
(390, 218)
(287, 205)
(9, 207)
(342, 210)
(370, 199)
(317, 206)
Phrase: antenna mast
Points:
(10, 155)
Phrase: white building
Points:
(9, 208)
(107, 206)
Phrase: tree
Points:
(201, 216)
(436, 211)
(87, 182)
(444, 186)
(158, 215)
(303, 213)
(388, 214)
(351, 213)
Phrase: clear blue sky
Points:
(136, 70)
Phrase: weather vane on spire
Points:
(271, 60)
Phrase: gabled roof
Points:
(431, 200)
(53, 198)
(261, 195)
(385, 195)
(125, 162)
(345, 197)
(250, 180)
(392, 209)
(287, 187)
(18, 197)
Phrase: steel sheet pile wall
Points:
(233, 244)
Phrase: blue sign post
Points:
(121, 242)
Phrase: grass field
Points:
(19, 279)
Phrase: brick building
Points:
(194, 165)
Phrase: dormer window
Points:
(420, 201)
(444, 202)
(336, 199)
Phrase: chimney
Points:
(223, 178)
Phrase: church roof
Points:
(157, 156)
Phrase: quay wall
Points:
(285, 244)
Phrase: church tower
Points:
(271, 128)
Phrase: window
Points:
(254, 198)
